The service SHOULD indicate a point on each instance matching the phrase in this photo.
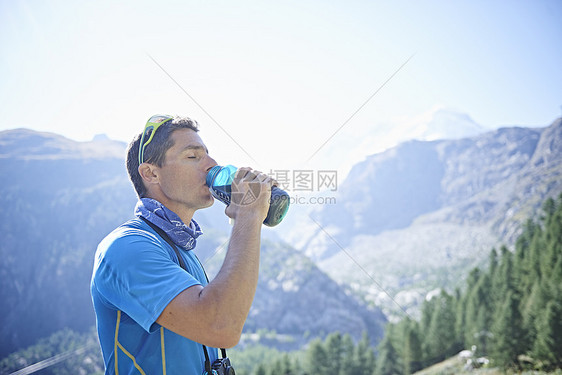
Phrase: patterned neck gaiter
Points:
(182, 235)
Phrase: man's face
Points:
(183, 173)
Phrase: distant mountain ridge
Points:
(29, 144)
(416, 216)
(60, 198)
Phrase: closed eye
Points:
(195, 151)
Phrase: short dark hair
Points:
(155, 151)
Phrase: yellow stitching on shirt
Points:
(163, 351)
(132, 358)
(115, 347)
(118, 344)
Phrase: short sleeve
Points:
(136, 274)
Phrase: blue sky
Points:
(278, 77)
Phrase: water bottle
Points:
(219, 180)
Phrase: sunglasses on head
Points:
(152, 125)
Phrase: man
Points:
(153, 316)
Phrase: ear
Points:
(148, 173)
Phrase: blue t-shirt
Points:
(136, 275)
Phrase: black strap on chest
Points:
(166, 238)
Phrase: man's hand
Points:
(250, 195)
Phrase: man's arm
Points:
(214, 315)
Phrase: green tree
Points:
(317, 359)
(412, 352)
(531, 309)
(505, 276)
(460, 319)
(364, 361)
(507, 333)
(347, 356)
(537, 245)
(388, 362)
(467, 310)
(483, 303)
(441, 336)
(523, 265)
(552, 236)
(548, 344)
(427, 312)
(334, 352)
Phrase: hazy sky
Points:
(279, 77)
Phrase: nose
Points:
(210, 163)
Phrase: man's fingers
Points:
(247, 175)
(241, 173)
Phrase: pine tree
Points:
(483, 334)
(483, 299)
(441, 336)
(548, 207)
(548, 345)
(507, 331)
(347, 356)
(427, 312)
(530, 310)
(333, 347)
(364, 361)
(555, 280)
(387, 361)
(505, 279)
(553, 242)
(428, 308)
(493, 262)
(536, 250)
(460, 320)
(523, 265)
(466, 323)
(317, 358)
(412, 352)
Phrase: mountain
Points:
(418, 216)
(60, 198)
